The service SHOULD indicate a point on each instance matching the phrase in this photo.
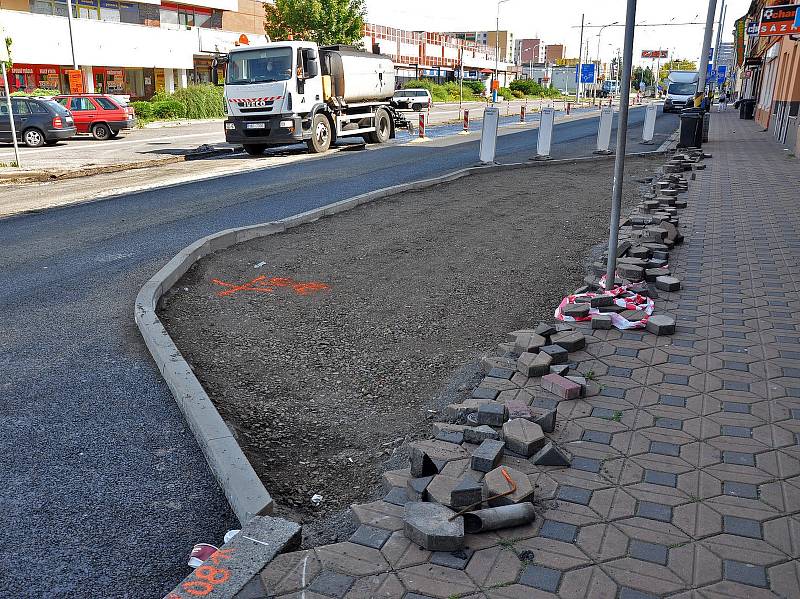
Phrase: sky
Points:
(540, 18)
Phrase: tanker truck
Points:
(291, 92)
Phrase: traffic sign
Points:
(587, 73)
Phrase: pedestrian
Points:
(723, 100)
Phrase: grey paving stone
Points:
(457, 560)
(369, 536)
(523, 436)
(744, 573)
(602, 322)
(666, 479)
(613, 392)
(672, 400)
(545, 403)
(737, 431)
(574, 494)
(416, 488)
(467, 492)
(456, 437)
(478, 434)
(604, 413)
(627, 351)
(560, 369)
(485, 393)
(558, 354)
(331, 583)
(531, 364)
(664, 448)
(620, 372)
(550, 455)
(396, 496)
(547, 420)
(596, 437)
(488, 455)
(501, 373)
(586, 464)
(559, 531)
(649, 552)
(737, 489)
(539, 577)
(670, 423)
(654, 511)
(738, 457)
(492, 413)
(736, 385)
(427, 525)
(676, 379)
(744, 527)
(735, 407)
(628, 593)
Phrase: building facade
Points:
(437, 56)
(128, 48)
(768, 71)
(553, 52)
(528, 51)
(493, 39)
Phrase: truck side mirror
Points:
(313, 69)
(215, 64)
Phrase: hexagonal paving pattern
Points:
(685, 476)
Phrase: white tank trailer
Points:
(358, 76)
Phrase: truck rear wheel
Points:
(255, 149)
(383, 128)
(321, 134)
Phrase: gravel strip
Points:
(324, 386)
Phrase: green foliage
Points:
(8, 42)
(529, 87)
(476, 87)
(447, 92)
(676, 65)
(517, 94)
(323, 21)
(505, 93)
(143, 110)
(37, 92)
(169, 109)
(201, 101)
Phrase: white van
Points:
(681, 88)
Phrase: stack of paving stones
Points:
(599, 430)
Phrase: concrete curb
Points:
(244, 490)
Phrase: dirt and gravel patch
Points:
(324, 384)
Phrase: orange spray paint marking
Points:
(262, 284)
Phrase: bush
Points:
(517, 94)
(201, 101)
(144, 110)
(446, 92)
(37, 92)
(505, 93)
(476, 87)
(169, 109)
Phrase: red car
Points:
(101, 115)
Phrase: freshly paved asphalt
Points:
(106, 490)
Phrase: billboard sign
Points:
(752, 28)
(587, 73)
(655, 53)
(779, 20)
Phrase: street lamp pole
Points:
(497, 50)
(71, 40)
(622, 134)
(723, 10)
(580, 65)
(712, 10)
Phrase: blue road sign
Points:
(587, 73)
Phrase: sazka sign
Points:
(779, 20)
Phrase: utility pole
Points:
(723, 10)
(71, 39)
(622, 134)
(580, 65)
(712, 11)
(497, 50)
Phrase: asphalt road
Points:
(105, 488)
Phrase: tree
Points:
(676, 65)
(325, 22)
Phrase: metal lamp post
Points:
(530, 63)
(497, 50)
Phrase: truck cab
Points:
(290, 92)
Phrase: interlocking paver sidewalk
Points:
(685, 478)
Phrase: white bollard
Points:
(546, 119)
(649, 124)
(491, 119)
(604, 131)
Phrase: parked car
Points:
(102, 115)
(38, 121)
(415, 99)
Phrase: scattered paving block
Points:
(529, 342)
(633, 315)
(558, 354)
(560, 386)
(631, 261)
(547, 421)
(467, 492)
(487, 455)
(563, 326)
(416, 488)
(610, 309)
(668, 283)
(651, 274)
(561, 369)
(622, 247)
(602, 300)
(458, 412)
(550, 455)
(579, 380)
(602, 321)
(427, 525)
(484, 393)
(523, 436)
(660, 324)
(369, 536)
(570, 340)
(493, 413)
(421, 463)
(681, 203)
(639, 252)
(576, 310)
(479, 434)
(496, 484)
(456, 437)
(534, 364)
(544, 329)
(630, 272)
(440, 488)
(457, 560)
(501, 373)
(518, 409)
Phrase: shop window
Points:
(87, 9)
(134, 83)
(175, 16)
(169, 18)
(129, 12)
(49, 7)
(109, 11)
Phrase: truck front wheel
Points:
(255, 149)
(383, 128)
(320, 134)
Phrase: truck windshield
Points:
(682, 89)
(259, 66)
